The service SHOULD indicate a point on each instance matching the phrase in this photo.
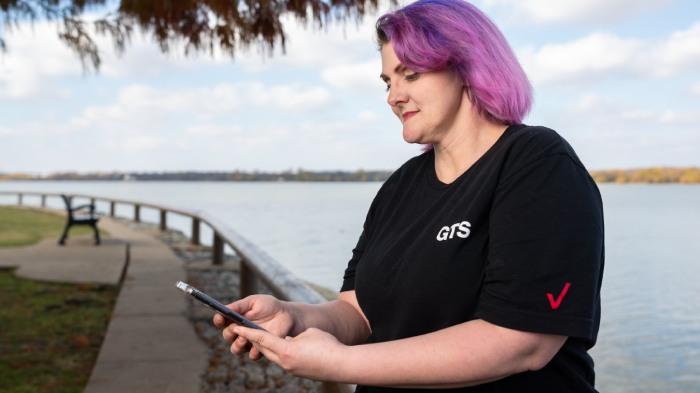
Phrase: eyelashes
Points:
(409, 77)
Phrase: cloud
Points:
(5, 131)
(678, 52)
(583, 11)
(358, 76)
(209, 130)
(600, 55)
(367, 116)
(609, 133)
(604, 109)
(588, 57)
(695, 89)
(34, 58)
(143, 106)
(139, 143)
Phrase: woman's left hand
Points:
(313, 354)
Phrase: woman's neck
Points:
(463, 146)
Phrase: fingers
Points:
(255, 353)
(261, 339)
(240, 306)
(239, 344)
(219, 321)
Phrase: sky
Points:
(618, 79)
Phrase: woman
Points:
(480, 263)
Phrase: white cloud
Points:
(598, 106)
(367, 116)
(144, 106)
(674, 117)
(593, 55)
(209, 130)
(563, 11)
(678, 52)
(601, 55)
(140, 143)
(609, 133)
(5, 131)
(695, 89)
(34, 57)
(293, 97)
(358, 76)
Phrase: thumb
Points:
(241, 306)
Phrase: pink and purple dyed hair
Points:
(433, 35)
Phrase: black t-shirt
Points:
(516, 240)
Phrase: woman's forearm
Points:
(337, 317)
(468, 354)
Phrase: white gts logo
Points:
(460, 229)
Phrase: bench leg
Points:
(62, 241)
(97, 234)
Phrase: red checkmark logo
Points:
(555, 303)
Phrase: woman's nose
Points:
(396, 96)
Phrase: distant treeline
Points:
(648, 175)
(645, 175)
(299, 175)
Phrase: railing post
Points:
(137, 213)
(247, 280)
(43, 200)
(19, 199)
(195, 231)
(163, 220)
(217, 249)
(92, 202)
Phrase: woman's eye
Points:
(412, 77)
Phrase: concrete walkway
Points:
(150, 345)
(77, 262)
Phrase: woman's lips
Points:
(408, 115)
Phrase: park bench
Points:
(81, 218)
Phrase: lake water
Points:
(649, 339)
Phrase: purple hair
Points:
(432, 35)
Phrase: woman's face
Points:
(427, 104)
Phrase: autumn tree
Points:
(200, 25)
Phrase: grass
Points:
(24, 227)
(50, 334)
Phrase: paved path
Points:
(78, 261)
(150, 345)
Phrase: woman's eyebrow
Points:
(399, 68)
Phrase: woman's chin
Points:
(411, 137)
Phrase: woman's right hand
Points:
(264, 310)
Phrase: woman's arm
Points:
(342, 318)
(467, 354)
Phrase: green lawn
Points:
(50, 334)
(24, 227)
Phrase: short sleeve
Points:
(349, 276)
(546, 251)
(358, 251)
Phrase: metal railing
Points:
(255, 263)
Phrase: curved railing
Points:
(255, 263)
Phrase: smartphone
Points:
(216, 305)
